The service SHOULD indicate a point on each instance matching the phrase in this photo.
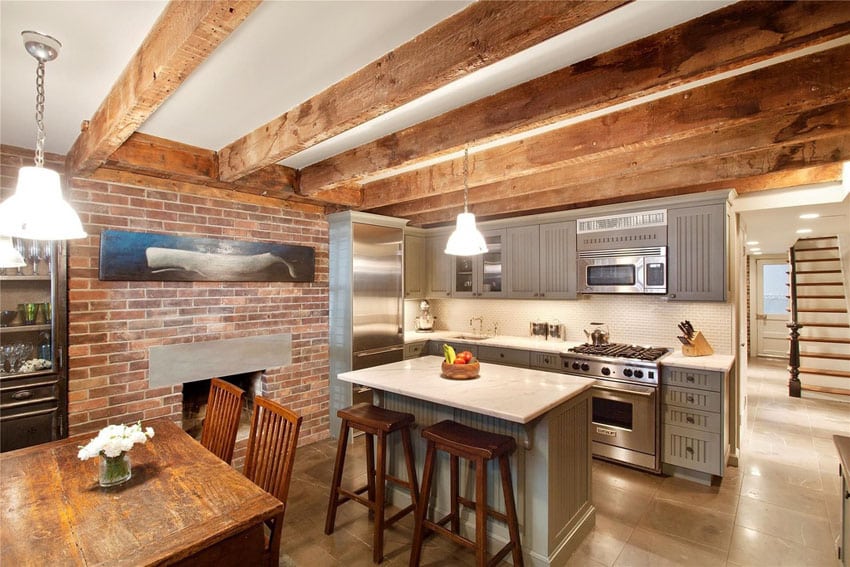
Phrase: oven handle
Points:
(632, 390)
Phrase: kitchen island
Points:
(547, 413)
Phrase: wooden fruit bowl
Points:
(460, 371)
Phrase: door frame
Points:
(755, 276)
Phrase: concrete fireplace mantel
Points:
(189, 362)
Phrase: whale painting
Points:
(160, 257)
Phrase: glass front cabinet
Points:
(33, 331)
(481, 276)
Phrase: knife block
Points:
(698, 347)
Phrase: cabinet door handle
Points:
(542, 295)
(690, 399)
(22, 395)
(689, 419)
(689, 450)
(689, 378)
(501, 355)
(546, 360)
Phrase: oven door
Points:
(625, 423)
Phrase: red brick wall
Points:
(113, 324)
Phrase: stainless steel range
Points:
(626, 401)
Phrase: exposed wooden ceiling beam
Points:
(760, 97)
(157, 157)
(481, 34)
(687, 178)
(730, 38)
(183, 36)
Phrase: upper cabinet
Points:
(414, 266)
(541, 261)
(438, 267)
(482, 275)
(696, 239)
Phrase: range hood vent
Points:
(628, 221)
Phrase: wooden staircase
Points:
(819, 307)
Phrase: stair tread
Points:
(816, 296)
(813, 238)
(809, 260)
(839, 391)
(826, 355)
(834, 325)
(817, 283)
(838, 373)
(824, 340)
(814, 310)
(815, 249)
(817, 272)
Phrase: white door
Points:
(771, 303)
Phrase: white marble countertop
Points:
(720, 362)
(514, 394)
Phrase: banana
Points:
(449, 353)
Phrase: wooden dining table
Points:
(182, 506)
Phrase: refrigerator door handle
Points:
(378, 350)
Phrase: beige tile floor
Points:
(779, 508)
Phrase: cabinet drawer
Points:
(27, 393)
(545, 360)
(690, 398)
(436, 347)
(699, 379)
(509, 356)
(692, 419)
(692, 449)
(414, 350)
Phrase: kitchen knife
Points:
(684, 340)
(690, 329)
(683, 328)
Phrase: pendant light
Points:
(37, 210)
(9, 256)
(466, 240)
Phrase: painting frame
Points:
(150, 256)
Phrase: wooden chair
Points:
(222, 420)
(269, 460)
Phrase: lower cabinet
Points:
(506, 356)
(415, 350)
(693, 420)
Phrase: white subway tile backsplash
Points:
(630, 318)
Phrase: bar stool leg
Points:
(411, 469)
(455, 494)
(379, 502)
(422, 507)
(370, 471)
(480, 512)
(510, 510)
(330, 519)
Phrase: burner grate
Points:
(621, 351)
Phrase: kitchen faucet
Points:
(480, 324)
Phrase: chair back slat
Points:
(271, 447)
(221, 423)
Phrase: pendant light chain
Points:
(466, 179)
(39, 114)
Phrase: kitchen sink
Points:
(471, 337)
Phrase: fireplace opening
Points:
(196, 394)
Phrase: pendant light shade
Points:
(37, 210)
(9, 256)
(466, 240)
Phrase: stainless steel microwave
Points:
(624, 270)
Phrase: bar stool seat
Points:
(479, 447)
(378, 423)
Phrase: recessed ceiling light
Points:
(809, 216)
(752, 242)
(804, 231)
(756, 253)
(756, 249)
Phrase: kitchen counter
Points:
(719, 362)
(519, 395)
(547, 413)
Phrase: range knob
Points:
(576, 366)
(585, 366)
(606, 371)
(627, 372)
(638, 373)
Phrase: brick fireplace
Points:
(114, 326)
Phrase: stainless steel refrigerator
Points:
(366, 300)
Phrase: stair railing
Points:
(795, 387)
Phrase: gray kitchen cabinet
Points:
(438, 267)
(501, 355)
(544, 360)
(482, 275)
(696, 240)
(540, 261)
(415, 350)
(414, 266)
(436, 347)
(694, 433)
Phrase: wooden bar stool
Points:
(474, 445)
(374, 422)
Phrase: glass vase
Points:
(114, 470)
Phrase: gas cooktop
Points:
(615, 350)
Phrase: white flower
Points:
(113, 440)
